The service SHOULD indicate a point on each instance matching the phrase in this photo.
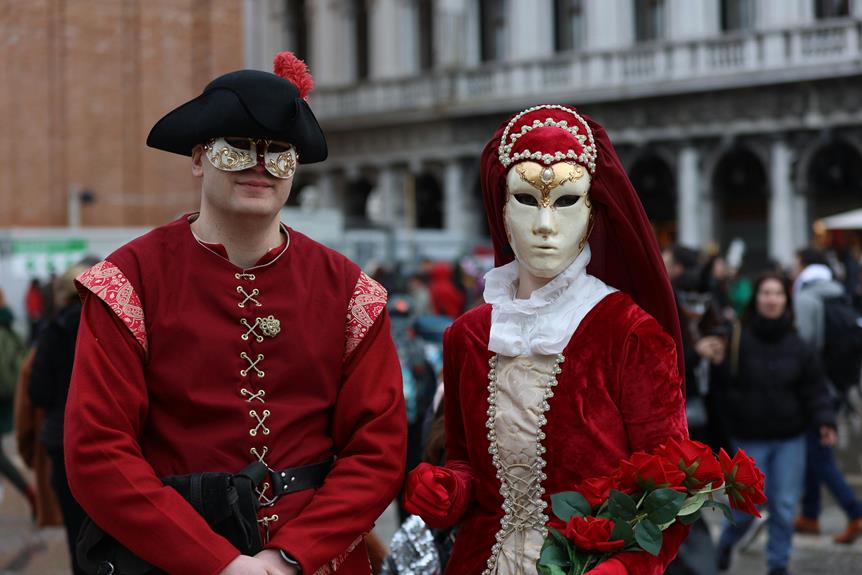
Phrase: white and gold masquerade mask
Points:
(237, 154)
(547, 215)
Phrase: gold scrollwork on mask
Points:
(546, 178)
(229, 158)
(283, 165)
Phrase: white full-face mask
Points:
(547, 215)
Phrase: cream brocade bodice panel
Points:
(521, 404)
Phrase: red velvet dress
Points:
(180, 369)
(618, 391)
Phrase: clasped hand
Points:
(267, 562)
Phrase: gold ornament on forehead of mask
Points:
(546, 178)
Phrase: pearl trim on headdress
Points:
(586, 158)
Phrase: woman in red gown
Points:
(571, 365)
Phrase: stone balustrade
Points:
(758, 57)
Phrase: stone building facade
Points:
(734, 118)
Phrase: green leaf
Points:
(662, 505)
(689, 519)
(569, 504)
(649, 537)
(553, 555)
(723, 507)
(551, 570)
(622, 530)
(692, 504)
(557, 538)
(621, 506)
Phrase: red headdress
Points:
(625, 253)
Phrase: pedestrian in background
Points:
(12, 352)
(28, 431)
(35, 308)
(705, 338)
(48, 389)
(814, 287)
(776, 390)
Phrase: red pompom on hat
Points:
(295, 71)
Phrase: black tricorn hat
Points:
(245, 103)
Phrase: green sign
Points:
(48, 246)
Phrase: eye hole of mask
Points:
(526, 199)
(239, 143)
(566, 201)
(277, 147)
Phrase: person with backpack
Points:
(827, 321)
(12, 351)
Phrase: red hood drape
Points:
(625, 253)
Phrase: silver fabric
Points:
(412, 551)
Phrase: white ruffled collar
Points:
(544, 323)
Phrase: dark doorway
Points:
(655, 183)
(741, 193)
(834, 179)
(429, 202)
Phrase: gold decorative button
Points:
(270, 326)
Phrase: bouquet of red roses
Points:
(629, 510)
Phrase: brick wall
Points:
(81, 84)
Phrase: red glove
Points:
(430, 493)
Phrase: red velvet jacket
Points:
(619, 392)
(169, 379)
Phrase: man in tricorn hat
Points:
(225, 339)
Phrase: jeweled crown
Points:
(548, 134)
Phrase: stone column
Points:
(328, 197)
(688, 20)
(609, 23)
(390, 181)
(450, 33)
(530, 29)
(688, 201)
(781, 203)
(772, 14)
(454, 216)
(331, 37)
(387, 38)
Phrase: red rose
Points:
(695, 460)
(743, 481)
(596, 490)
(592, 534)
(644, 471)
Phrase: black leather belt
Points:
(295, 479)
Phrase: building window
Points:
(360, 28)
(492, 18)
(568, 25)
(831, 8)
(295, 27)
(426, 34)
(737, 15)
(429, 202)
(649, 20)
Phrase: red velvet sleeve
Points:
(370, 435)
(108, 475)
(457, 458)
(653, 410)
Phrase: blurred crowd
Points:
(772, 358)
